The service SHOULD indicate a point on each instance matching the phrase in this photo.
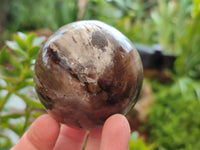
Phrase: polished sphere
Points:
(87, 71)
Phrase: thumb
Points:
(42, 135)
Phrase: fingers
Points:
(42, 135)
(115, 134)
(70, 138)
(44, 132)
(94, 139)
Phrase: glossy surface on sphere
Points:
(87, 71)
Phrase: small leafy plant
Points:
(137, 143)
(18, 102)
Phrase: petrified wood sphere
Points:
(87, 71)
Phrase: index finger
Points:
(116, 133)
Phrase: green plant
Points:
(174, 116)
(135, 21)
(25, 15)
(136, 143)
(100, 10)
(178, 24)
(170, 19)
(18, 102)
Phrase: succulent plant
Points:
(87, 71)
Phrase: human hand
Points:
(46, 134)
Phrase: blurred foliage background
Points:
(173, 118)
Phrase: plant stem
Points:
(3, 88)
(29, 101)
(10, 79)
(3, 102)
(27, 115)
(85, 141)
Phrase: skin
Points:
(46, 134)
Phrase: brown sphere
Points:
(86, 72)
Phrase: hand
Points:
(46, 134)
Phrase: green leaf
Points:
(4, 56)
(19, 52)
(29, 82)
(13, 45)
(30, 102)
(37, 114)
(196, 9)
(139, 144)
(33, 51)
(30, 39)
(9, 79)
(6, 142)
(4, 136)
(15, 62)
(10, 72)
(22, 35)
(21, 43)
(13, 116)
(38, 41)
(14, 127)
(9, 65)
